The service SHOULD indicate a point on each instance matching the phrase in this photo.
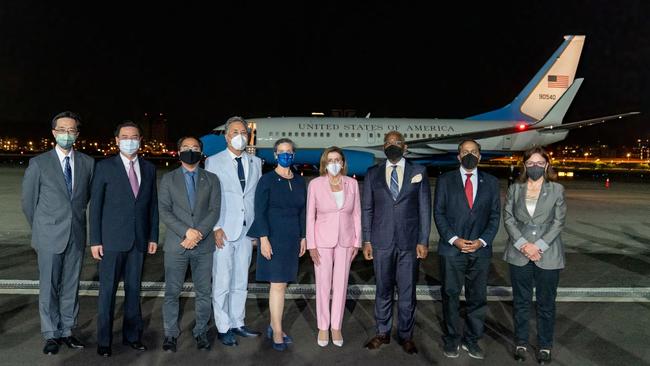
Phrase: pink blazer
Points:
(327, 225)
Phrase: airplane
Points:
(533, 118)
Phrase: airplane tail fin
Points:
(557, 112)
(545, 89)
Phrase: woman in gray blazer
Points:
(534, 216)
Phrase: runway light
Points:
(317, 113)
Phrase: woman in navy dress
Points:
(279, 224)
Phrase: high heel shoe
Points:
(285, 338)
(323, 343)
(337, 342)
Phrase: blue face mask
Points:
(129, 146)
(285, 159)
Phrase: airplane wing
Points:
(520, 127)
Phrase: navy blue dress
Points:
(280, 215)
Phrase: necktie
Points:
(191, 189)
(240, 173)
(133, 180)
(394, 183)
(469, 190)
(67, 174)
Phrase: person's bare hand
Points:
(97, 251)
(367, 251)
(315, 257)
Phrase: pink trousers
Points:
(332, 276)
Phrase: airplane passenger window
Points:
(346, 134)
(358, 134)
(340, 134)
(302, 134)
(328, 134)
(283, 134)
(322, 134)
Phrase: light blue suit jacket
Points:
(236, 206)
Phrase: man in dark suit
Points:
(396, 220)
(56, 188)
(466, 212)
(123, 226)
(189, 201)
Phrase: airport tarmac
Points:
(603, 312)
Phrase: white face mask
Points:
(238, 142)
(129, 146)
(334, 168)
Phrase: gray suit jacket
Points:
(542, 229)
(56, 219)
(175, 212)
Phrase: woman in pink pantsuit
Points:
(333, 239)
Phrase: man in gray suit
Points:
(54, 198)
(189, 205)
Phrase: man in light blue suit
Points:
(238, 173)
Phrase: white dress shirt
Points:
(474, 180)
(400, 172)
(62, 156)
(127, 166)
(244, 161)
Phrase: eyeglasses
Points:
(72, 131)
(531, 164)
(190, 148)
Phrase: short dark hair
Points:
(180, 141)
(127, 123)
(284, 140)
(469, 140)
(398, 135)
(67, 114)
(549, 173)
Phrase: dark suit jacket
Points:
(52, 215)
(407, 219)
(453, 216)
(177, 216)
(118, 220)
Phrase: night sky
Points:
(200, 65)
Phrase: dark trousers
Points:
(175, 268)
(472, 272)
(545, 281)
(112, 267)
(395, 267)
(58, 300)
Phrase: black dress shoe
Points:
(104, 351)
(51, 347)
(246, 332)
(169, 344)
(137, 345)
(72, 342)
(202, 342)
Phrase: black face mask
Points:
(393, 152)
(469, 161)
(535, 172)
(190, 157)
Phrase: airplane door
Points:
(507, 142)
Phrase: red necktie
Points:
(469, 190)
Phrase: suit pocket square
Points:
(416, 179)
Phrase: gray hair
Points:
(234, 119)
(284, 140)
